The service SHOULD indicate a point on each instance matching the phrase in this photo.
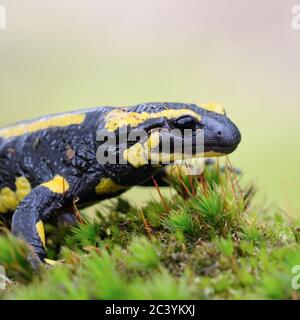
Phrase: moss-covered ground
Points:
(207, 241)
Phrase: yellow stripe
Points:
(41, 124)
(57, 185)
(41, 232)
(52, 263)
(214, 107)
(108, 186)
(119, 118)
(9, 199)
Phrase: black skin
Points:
(41, 155)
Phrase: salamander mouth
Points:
(222, 149)
(193, 146)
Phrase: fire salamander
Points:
(48, 162)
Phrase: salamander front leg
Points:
(37, 207)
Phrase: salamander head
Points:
(204, 131)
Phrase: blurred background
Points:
(62, 55)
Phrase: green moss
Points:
(142, 254)
(208, 242)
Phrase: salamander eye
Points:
(185, 122)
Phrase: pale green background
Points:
(63, 54)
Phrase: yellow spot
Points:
(135, 155)
(52, 263)
(9, 199)
(108, 186)
(153, 141)
(185, 168)
(57, 185)
(41, 232)
(190, 167)
(2, 208)
(215, 107)
(119, 118)
(212, 154)
(41, 124)
(23, 187)
(174, 171)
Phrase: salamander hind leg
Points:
(36, 208)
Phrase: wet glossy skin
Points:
(46, 163)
